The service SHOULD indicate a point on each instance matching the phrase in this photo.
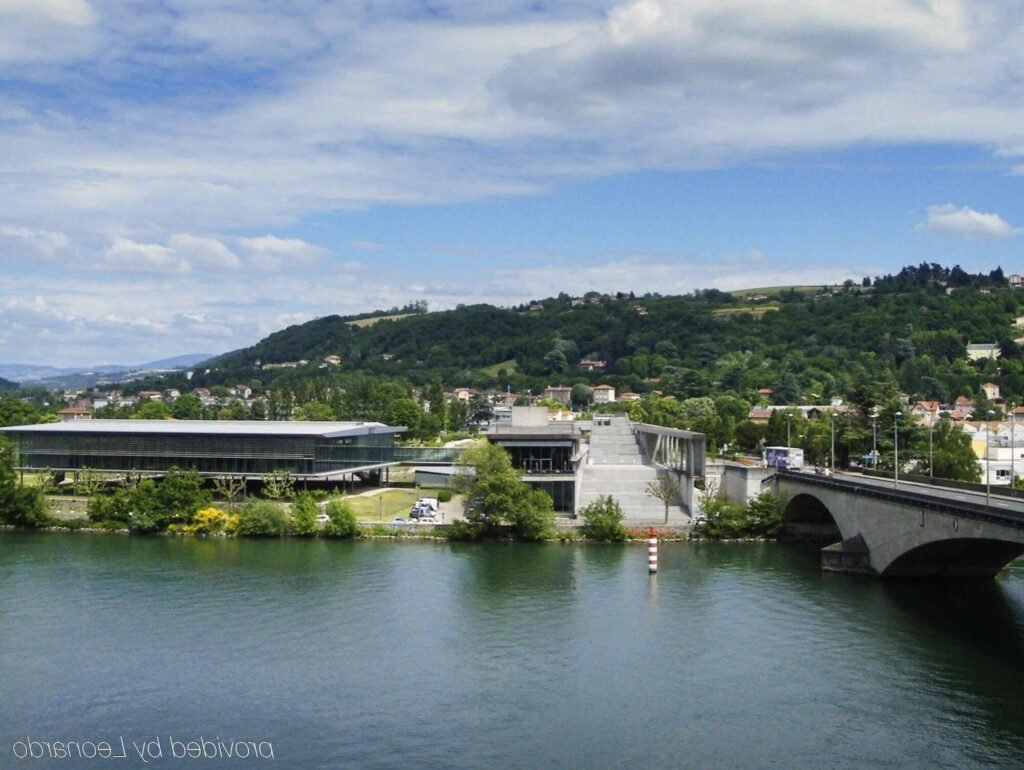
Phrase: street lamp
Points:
(789, 418)
(931, 454)
(874, 440)
(1013, 424)
(988, 456)
(832, 464)
(896, 448)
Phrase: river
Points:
(434, 655)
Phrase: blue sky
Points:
(191, 175)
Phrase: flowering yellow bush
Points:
(209, 521)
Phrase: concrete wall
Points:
(735, 481)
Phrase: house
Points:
(332, 360)
(604, 394)
(964, 402)
(760, 415)
(559, 393)
(627, 397)
(242, 391)
(979, 351)
(461, 394)
(593, 365)
(74, 413)
(640, 309)
(991, 391)
(1016, 280)
(152, 395)
(927, 411)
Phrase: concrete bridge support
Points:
(881, 535)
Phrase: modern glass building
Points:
(548, 454)
(309, 450)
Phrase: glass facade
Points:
(208, 453)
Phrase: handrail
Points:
(930, 502)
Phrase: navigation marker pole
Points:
(652, 552)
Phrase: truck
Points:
(784, 458)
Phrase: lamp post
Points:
(988, 456)
(874, 441)
(896, 448)
(789, 419)
(1013, 424)
(931, 454)
(832, 461)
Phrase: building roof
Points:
(211, 427)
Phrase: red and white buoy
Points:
(652, 552)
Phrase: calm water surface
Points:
(419, 655)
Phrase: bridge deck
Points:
(1006, 512)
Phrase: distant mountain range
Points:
(52, 376)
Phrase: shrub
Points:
(602, 520)
(444, 496)
(464, 530)
(262, 518)
(341, 519)
(24, 507)
(210, 521)
(304, 513)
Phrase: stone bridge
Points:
(902, 530)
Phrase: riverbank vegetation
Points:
(726, 520)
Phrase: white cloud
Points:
(966, 222)
(76, 13)
(18, 242)
(204, 252)
(271, 253)
(40, 30)
(133, 257)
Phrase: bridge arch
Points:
(806, 517)
(955, 557)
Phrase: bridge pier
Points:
(904, 532)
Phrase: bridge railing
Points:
(968, 486)
(925, 500)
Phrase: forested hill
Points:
(910, 330)
(7, 384)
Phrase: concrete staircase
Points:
(616, 466)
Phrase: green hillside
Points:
(908, 330)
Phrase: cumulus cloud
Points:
(271, 253)
(204, 252)
(967, 223)
(130, 256)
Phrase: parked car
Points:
(419, 511)
(431, 519)
(400, 520)
(429, 502)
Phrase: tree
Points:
(341, 519)
(229, 487)
(152, 410)
(179, 495)
(304, 512)
(602, 520)
(278, 484)
(314, 411)
(952, 455)
(187, 407)
(665, 489)
(19, 505)
(498, 497)
(580, 396)
(262, 518)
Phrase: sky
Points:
(183, 176)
